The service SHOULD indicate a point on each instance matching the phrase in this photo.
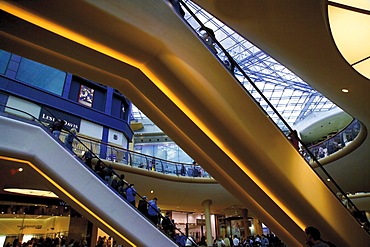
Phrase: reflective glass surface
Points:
(41, 76)
(4, 60)
(293, 98)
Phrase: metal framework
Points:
(290, 95)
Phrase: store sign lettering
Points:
(29, 226)
(51, 119)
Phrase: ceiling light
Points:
(20, 169)
(32, 192)
(345, 90)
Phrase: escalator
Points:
(165, 70)
(43, 158)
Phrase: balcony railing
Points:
(131, 158)
(334, 143)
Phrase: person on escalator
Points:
(114, 182)
(131, 194)
(69, 139)
(293, 138)
(153, 211)
(56, 127)
(121, 184)
(108, 173)
(143, 206)
(230, 66)
(167, 225)
(87, 157)
(99, 170)
(209, 38)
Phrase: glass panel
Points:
(41, 76)
(4, 61)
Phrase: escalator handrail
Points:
(46, 128)
(271, 106)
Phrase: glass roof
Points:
(291, 96)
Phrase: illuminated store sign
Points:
(47, 116)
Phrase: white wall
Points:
(91, 129)
(117, 137)
(24, 105)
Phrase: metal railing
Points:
(221, 53)
(131, 158)
(336, 142)
(106, 170)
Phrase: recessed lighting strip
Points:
(21, 13)
(68, 195)
(188, 112)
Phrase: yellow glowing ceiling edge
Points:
(64, 32)
(219, 143)
(52, 27)
(69, 196)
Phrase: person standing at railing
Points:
(131, 194)
(183, 170)
(321, 153)
(69, 139)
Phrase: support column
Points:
(94, 236)
(246, 222)
(207, 205)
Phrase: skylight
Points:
(291, 96)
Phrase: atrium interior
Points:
(186, 107)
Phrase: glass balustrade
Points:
(128, 157)
(332, 145)
(108, 174)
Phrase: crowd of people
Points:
(153, 212)
(50, 242)
(251, 241)
(117, 182)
